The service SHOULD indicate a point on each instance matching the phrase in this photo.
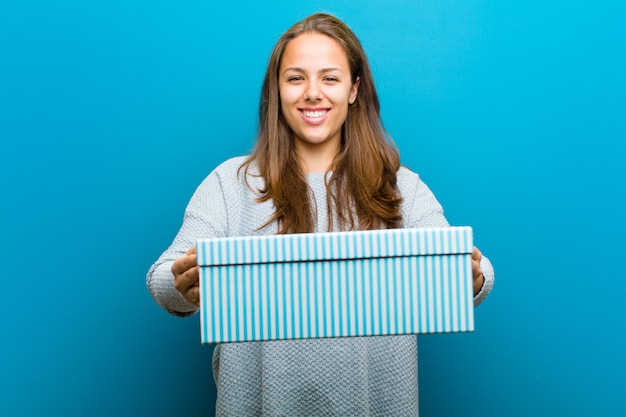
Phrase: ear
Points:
(354, 90)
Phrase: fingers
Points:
(188, 284)
(187, 276)
(183, 264)
(193, 295)
(476, 257)
(477, 272)
(187, 279)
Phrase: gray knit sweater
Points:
(324, 377)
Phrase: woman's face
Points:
(316, 90)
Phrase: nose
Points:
(313, 91)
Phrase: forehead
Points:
(313, 50)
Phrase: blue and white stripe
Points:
(399, 281)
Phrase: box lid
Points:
(329, 246)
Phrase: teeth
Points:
(313, 114)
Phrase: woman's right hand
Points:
(187, 276)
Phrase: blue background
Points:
(112, 112)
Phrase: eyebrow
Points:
(323, 70)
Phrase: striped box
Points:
(382, 282)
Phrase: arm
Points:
(421, 209)
(205, 216)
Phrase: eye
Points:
(295, 78)
(331, 78)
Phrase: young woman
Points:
(323, 162)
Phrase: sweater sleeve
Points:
(205, 216)
(421, 209)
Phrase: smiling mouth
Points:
(314, 114)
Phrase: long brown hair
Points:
(362, 191)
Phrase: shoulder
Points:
(420, 206)
(235, 176)
(233, 170)
(223, 177)
(407, 178)
(409, 183)
(230, 165)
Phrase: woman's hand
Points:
(187, 276)
(479, 278)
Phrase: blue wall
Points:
(112, 112)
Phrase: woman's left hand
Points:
(479, 278)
